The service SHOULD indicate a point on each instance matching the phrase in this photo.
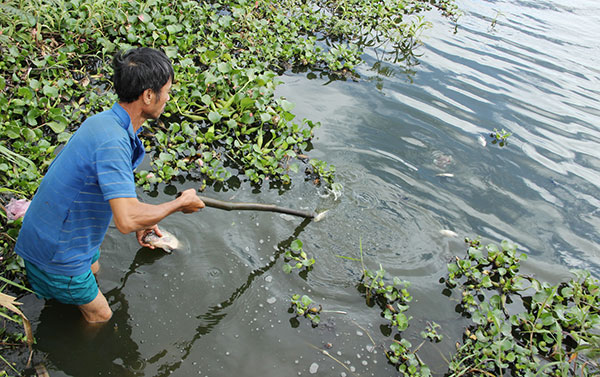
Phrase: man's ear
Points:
(147, 96)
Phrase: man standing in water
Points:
(90, 182)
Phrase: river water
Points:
(219, 306)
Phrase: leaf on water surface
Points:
(57, 127)
(296, 245)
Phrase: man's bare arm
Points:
(131, 215)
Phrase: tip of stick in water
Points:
(320, 216)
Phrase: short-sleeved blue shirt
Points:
(70, 213)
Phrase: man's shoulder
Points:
(105, 118)
(105, 124)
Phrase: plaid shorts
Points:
(75, 290)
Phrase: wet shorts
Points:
(75, 290)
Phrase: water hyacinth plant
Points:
(223, 118)
(554, 332)
(500, 137)
(303, 306)
(297, 258)
(517, 324)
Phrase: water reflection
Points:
(216, 313)
(77, 348)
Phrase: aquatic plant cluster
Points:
(297, 258)
(517, 325)
(521, 325)
(223, 118)
(393, 299)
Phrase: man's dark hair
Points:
(139, 69)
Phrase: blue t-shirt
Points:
(70, 213)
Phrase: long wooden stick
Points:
(232, 206)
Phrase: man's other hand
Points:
(141, 234)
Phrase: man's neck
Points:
(134, 110)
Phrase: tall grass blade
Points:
(20, 286)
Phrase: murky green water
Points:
(219, 306)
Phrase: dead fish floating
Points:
(442, 160)
(481, 140)
(448, 233)
(168, 242)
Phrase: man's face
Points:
(156, 107)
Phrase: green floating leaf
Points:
(165, 156)
(50, 91)
(206, 99)
(231, 123)
(214, 117)
(265, 117)
(224, 67)
(296, 245)
(171, 52)
(287, 105)
(174, 28)
(56, 127)
(63, 137)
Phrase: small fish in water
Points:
(168, 242)
(445, 175)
